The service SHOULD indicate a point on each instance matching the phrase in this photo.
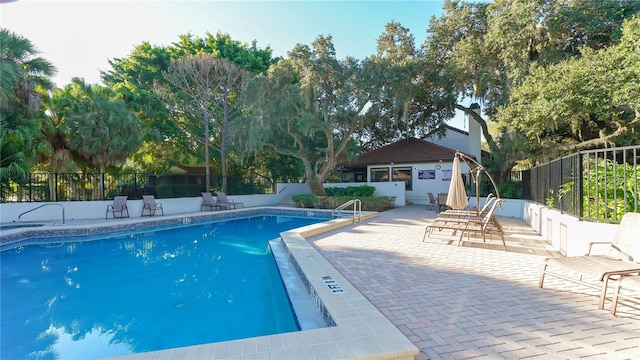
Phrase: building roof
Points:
(405, 151)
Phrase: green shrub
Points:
(303, 201)
(351, 191)
(378, 203)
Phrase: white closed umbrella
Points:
(457, 196)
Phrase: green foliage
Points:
(307, 106)
(23, 77)
(554, 76)
(98, 126)
(203, 93)
(510, 189)
(166, 142)
(351, 191)
(579, 103)
(304, 200)
(408, 103)
(610, 190)
(377, 203)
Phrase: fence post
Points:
(580, 186)
(558, 196)
(30, 187)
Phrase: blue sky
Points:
(80, 36)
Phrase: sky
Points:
(79, 37)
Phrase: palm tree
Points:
(101, 128)
(23, 76)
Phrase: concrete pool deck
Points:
(476, 301)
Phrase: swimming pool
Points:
(358, 329)
(139, 291)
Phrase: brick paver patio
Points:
(476, 301)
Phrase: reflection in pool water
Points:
(144, 291)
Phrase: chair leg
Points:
(614, 301)
(603, 292)
(427, 231)
(544, 269)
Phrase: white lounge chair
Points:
(627, 283)
(623, 259)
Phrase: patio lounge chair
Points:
(627, 283)
(208, 202)
(486, 225)
(118, 207)
(452, 213)
(151, 205)
(623, 259)
(224, 202)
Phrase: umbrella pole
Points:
(478, 168)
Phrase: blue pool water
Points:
(144, 291)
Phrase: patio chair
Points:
(151, 205)
(118, 207)
(224, 202)
(442, 202)
(208, 202)
(432, 201)
(623, 259)
(628, 283)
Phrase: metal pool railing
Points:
(41, 206)
(357, 209)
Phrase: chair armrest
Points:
(596, 243)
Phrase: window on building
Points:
(379, 174)
(403, 174)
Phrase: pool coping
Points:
(358, 330)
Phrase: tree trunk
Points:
(223, 144)
(207, 168)
(316, 187)
(493, 147)
(102, 171)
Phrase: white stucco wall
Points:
(475, 139)
(565, 233)
(467, 143)
(77, 210)
(453, 140)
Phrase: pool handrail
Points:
(41, 206)
(357, 209)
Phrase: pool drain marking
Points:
(333, 285)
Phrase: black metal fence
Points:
(510, 185)
(93, 186)
(597, 185)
